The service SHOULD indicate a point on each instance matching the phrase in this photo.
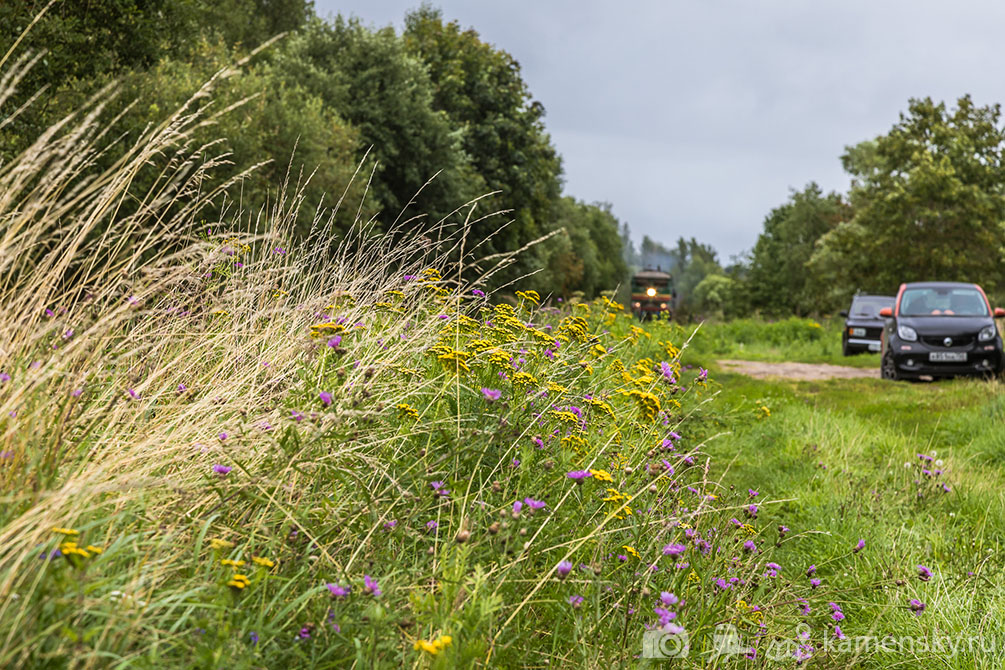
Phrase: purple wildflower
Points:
(668, 598)
(432, 525)
(370, 586)
(575, 601)
(326, 398)
(702, 374)
(478, 292)
(749, 546)
(534, 504)
(563, 569)
(859, 547)
(338, 591)
(4, 377)
(752, 511)
(917, 606)
(335, 341)
(810, 571)
(752, 493)
(491, 394)
(517, 506)
(133, 394)
(674, 550)
(814, 583)
(222, 469)
(254, 638)
(924, 574)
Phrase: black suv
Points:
(863, 326)
(941, 329)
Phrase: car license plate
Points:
(857, 332)
(947, 357)
(874, 346)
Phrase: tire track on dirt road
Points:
(797, 371)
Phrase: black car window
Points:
(869, 306)
(939, 301)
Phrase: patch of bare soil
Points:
(797, 371)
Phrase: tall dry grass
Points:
(133, 330)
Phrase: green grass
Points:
(793, 339)
(842, 454)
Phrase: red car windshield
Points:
(937, 301)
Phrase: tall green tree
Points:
(371, 80)
(929, 202)
(778, 281)
(500, 128)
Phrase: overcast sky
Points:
(696, 117)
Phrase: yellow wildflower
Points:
(602, 475)
(220, 544)
(264, 562)
(66, 531)
(404, 409)
(239, 581)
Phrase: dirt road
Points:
(797, 371)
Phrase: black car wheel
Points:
(887, 368)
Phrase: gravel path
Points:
(797, 371)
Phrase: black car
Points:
(863, 326)
(941, 329)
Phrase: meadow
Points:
(223, 445)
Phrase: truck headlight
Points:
(650, 292)
(987, 333)
(907, 333)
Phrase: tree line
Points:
(409, 125)
(926, 201)
(427, 119)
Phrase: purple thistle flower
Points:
(534, 504)
(335, 341)
(4, 377)
(305, 633)
(917, 606)
(326, 398)
(804, 607)
(575, 601)
(667, 372)
(222, 469)
(338, 591)
(517, 506)
(432, 525)
(674, 550)
(838, 633)
(491, 394)
(749, 546)
(222, 436)
(563, 569)
(370, 586)
(478, 292)
(77, 392)
(297, 416)
(924, 574)
(859, 547)
(673, 629)
(702, 374)
(810, 571)
(814, 583)
(752, 511)
(668, 599)
(408, 277)
(752, 493)
(254, 638)
(133, 394)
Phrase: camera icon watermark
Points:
(659, 643)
